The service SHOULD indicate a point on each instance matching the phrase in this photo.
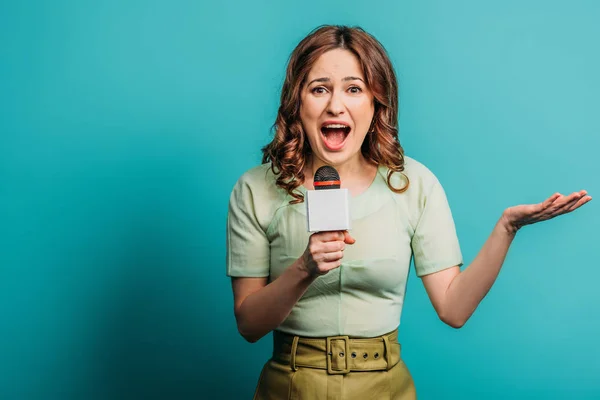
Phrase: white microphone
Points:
(327, 207)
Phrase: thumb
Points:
(348, 239)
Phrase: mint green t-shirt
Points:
(364, 296)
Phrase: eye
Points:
(318, 90)
(354, 89)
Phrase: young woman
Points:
(333, 299)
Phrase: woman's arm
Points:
(455, 295)
(260, 307)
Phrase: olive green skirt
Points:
(335, 368)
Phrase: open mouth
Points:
(334, 135)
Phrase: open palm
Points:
(555, 205)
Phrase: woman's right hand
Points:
(325, 251)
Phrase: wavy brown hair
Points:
(289, 149)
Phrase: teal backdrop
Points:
(125, 124)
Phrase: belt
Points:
(337, 354)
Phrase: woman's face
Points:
(336, 108)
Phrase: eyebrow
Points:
(348, 78)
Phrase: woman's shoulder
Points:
(258, 186)
(420, 177)
(259, 177)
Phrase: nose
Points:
(336, 104)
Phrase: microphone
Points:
(327, 207)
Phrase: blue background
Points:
(124, 125)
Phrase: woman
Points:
(333, 299)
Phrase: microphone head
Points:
(326, 177)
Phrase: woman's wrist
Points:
(302, 268)
(507, 225)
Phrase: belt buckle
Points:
(329, 355)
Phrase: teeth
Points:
(335, 126)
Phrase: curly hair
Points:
(289, 149)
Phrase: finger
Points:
(579, 203)
(571, 200)
(567, 200)
(332, 247)
(551, 200)
(576, 195)
(329, 257)
(324, 268)
(576, 202)
(558, 207)
(348, 238)
(329, 236)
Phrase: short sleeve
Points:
(435, 243)
(247, 243)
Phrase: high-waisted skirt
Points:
(335, 368)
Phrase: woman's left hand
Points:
(518, 216)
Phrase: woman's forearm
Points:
(265, 309)
(471, 285)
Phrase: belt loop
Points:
(387, 349)
(293, 355)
